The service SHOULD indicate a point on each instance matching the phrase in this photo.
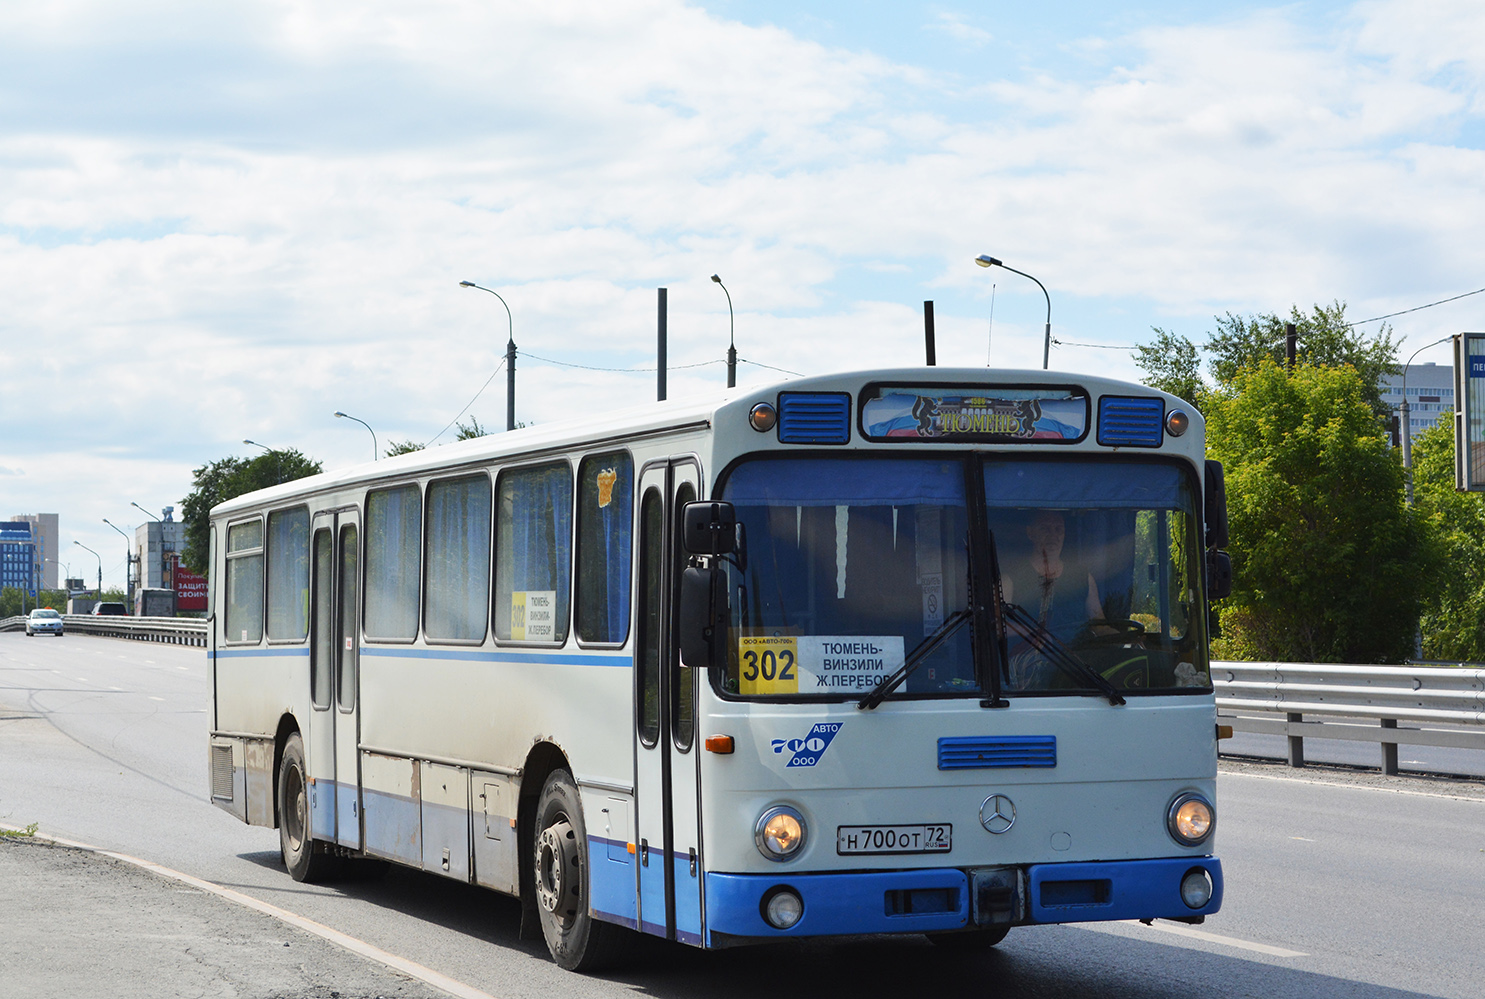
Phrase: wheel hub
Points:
(556, 868)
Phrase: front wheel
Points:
(577, 941)
(305, 860)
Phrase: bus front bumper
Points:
(946, 899)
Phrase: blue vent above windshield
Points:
(1130, 422)
(814, 417)
(993, 751)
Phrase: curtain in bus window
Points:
(244, 618)
(533, 554)
(288, 575)
(458, 560)
(393, 538)
(605, 518)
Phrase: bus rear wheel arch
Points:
(558, 865)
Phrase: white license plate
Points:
(934, 838)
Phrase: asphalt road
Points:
(1337, 885)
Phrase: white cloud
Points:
(228, 224)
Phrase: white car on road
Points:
(44, 621)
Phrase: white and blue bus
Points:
(904, 651)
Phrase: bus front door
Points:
(348, 819)
(319, 740)
(667, 796)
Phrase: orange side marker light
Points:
(721, 744)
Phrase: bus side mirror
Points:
(1215, 496)
(703, 615)
(709, 527)
(1219, 575)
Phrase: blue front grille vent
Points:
(1130, 422)
(814, 417)
(986, 752)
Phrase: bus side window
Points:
(605, 515)
(533, 554)
(394, 527)
(245, 582)
(458, 564)
(324, 619)
(683, 692)
(288, 575)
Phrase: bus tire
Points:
(970, 941)
(577, 941)
(306, 860)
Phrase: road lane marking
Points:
(1303, 839)
(452, 986)
(1353, 787)
(154, 698)
(1182, 930)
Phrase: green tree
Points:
(469, 431)
(1172, 364)
(221, 480)
(1326, 558)
(401, 447)
(1453, 621)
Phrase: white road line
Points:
(1187, 931)
(154, 698)
(452, 986)
(1352, 787)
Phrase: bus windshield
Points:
(849, 563)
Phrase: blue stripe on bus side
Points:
(513, 656)
(245, 653)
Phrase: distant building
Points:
(44, 535)
(157, 545)
(20, 562)
(1430, 395)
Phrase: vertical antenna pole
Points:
(928, 334)
(660, 352)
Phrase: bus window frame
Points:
(552, 459)
(577, 554)
(227, 556)
(363, 569)
(489, 564)
(267, 570)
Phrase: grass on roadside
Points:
(19, 833)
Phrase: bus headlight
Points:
(780, 832)
(782, 907)
(1190, 819)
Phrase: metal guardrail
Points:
(170, 630)
(1356, 703)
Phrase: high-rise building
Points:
(1430, 394)
(20, 560)
(157, 544)
(44, 532)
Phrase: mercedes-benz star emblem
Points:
(998, 814)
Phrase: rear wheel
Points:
(577, 941)
(967, 941)
(305, 859)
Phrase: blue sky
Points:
(228, 222)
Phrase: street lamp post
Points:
(510, 357)
(1407, 424)
(128, 561)
(375, 451)
(100, 566)
(278, 468)
(985, 260)
(731, 337)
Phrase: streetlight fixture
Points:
(278, 469)
(510, 357)
(731, 337)
(985, 260)
(100, 566)
(1407, 425)
(128, 559)
(375, 451)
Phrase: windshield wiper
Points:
(940, 635)
(1049, 645)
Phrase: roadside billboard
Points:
(1469, 411)
(190, 589)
